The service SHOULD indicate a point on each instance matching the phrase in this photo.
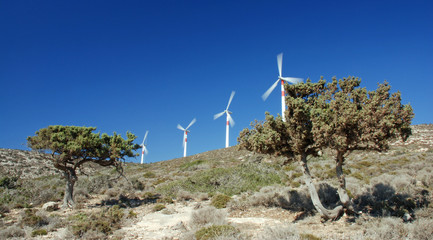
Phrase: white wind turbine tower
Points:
(143, 147)
(229, 119)
(282, 79)
(185, 133)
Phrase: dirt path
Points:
(174, 221)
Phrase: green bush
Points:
(220, 200)
(307, 236)
(214, 231)
(229, 181)
(39, 232)
(31, 219)
(149, 174)
(132, 214)
(8, 182)
(105, 221)
(191, 165)
(158, 207)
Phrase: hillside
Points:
(261, 197)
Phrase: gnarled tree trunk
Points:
(71, 178)
(342, 192)
(326, 214)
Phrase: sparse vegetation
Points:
(214, 231)
(104, 221)
(405, 191)
(220, 200)
(39, 232)
(229, 181)
(158, 207)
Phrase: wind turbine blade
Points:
(280, 63)
(145, 150)
(230, 100)
(292, 80)
(218, 115)
(145, 136)
(266, 94)
(180, 127)
(232, 122)
(192, 122)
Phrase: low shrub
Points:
(214, 231)
(149, 174)
(158, 207)
(31, 219)
(8, 182)
(229, 181)
(308, 236)
(39, 232)
(206, 216)
(191, 165)
(104, 221)
(12, 232)
(220, 200)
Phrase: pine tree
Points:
(71, 146)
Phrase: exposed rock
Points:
(50, 206)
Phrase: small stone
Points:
(50, 206)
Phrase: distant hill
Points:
(25, 164)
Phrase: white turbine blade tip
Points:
(192, 122)
(292, 80)
(266, 94)
(280, 63)
(180, 127)
(232, 122)
(145, 151)
(218, 115)
(231, 98)
(145, 136)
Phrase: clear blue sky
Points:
(149, 65)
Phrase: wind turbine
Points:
(143, 147)
(185, 133)
(229, 119)
(282, 79)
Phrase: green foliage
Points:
(71, 146)
(220, 200)
(215, 231)
(308, 236)
(105, 221)
(229, 181)
(31, 219)
(39, 232)
(8, 182)
(76, 145)
(191, 165)
(149, 174)
(351, 118)
(158, 207)
(338, 115)
(132, 214)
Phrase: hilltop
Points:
(260, 196)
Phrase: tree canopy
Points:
(338, 115)
(72, 146)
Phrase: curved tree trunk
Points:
(71, 178)
(326, 214)
(342, 192)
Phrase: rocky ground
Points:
(176, 220)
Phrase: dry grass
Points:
(385, 184)
(208, 216)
